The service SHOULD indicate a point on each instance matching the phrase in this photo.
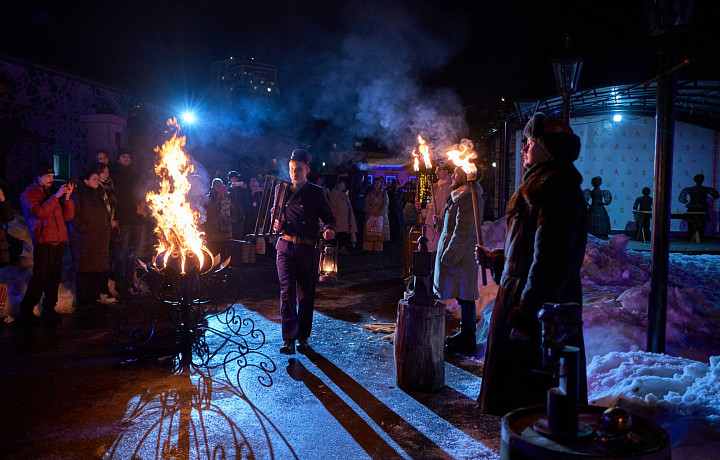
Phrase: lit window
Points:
(255, 87)
(617, 117)
(269, 90)
(358, 144)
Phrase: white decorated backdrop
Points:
(622, 153)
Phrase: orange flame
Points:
(425, 152)
(177, 223)
(462, 155)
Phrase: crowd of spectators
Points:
(103, 218)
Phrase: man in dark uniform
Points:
(304, 206)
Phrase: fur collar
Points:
(542, 181)
(463, 190)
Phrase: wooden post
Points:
(420, 346)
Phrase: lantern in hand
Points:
(328, 262)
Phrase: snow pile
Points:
(681, 395)
(616, 294)
(16, 276)
(493, 233)
(609, 262)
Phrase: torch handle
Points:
(478, 226)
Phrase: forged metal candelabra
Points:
(180, 309)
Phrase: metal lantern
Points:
(328, 261)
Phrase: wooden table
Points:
(695, 219)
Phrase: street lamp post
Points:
(567, 74)
(666, 19)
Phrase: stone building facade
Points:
(49, 115)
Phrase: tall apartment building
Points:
(235, 80)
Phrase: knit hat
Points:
(43, 167)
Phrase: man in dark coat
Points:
(89, 239)
(130, 214)
(46, 214)
(304, 206)
(544, 250)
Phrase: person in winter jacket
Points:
(456, 274)
(441, 195)
(46, 213)
(343, 212)
(89, 239)
(377, 225)
(544, 251)
(218, 225)
(6, 215)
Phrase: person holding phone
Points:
(47, 214)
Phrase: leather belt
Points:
(298, 240)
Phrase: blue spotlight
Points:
(189, 118)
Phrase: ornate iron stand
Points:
(187, 316)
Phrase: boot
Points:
(463, 341)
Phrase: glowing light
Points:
(424, 151)
(177, 223)
(494, 165)
(462, 155)
(617, 117)
(189, 117)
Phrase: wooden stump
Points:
(420, 346)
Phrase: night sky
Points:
(342, 61)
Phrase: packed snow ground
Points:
(679, 390)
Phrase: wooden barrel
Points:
(420, 346)
(521, 442)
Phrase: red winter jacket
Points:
(46, 214)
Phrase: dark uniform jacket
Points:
(544, 251)
(90, 230)
(303, 211)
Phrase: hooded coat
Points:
(456, 273)
(544, 251)
(90, 230)
(343, 212)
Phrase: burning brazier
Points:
(184, 290)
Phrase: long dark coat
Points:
(544, 250)
(90, 230)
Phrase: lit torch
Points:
(180, 244)
(462, 157)
(425, 152)
(416, 167)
